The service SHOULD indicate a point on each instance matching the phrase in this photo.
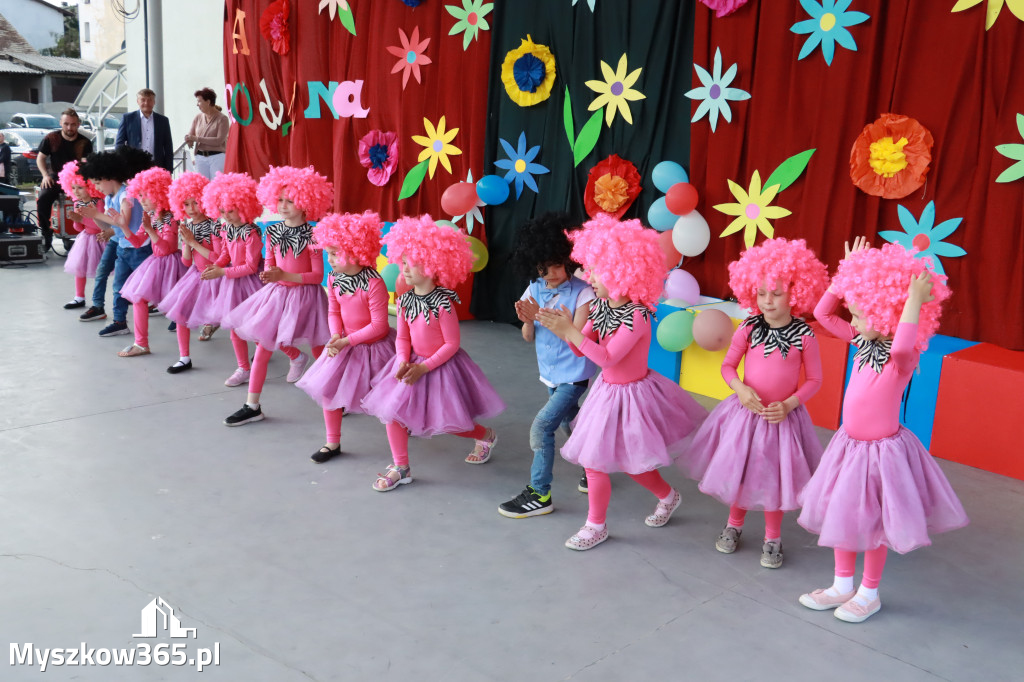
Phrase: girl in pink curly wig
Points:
(877, 486)
(431, 386)
(362, 342)
(633, 420)
(293, 308)
(232, 193)
(154, 279)
(86, 252)
(759, 448)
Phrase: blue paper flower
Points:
(716, 93)
(828, 27)
(520, 166)
(925, 235)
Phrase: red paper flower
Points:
(378, 151)
(890, 157)
(274, 26)
(612, 186)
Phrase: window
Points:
(86, 38)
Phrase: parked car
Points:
(24, 144)
(110, 125)
(43, 121)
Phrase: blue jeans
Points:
(127, 261)
(103, 270)
(560, 409)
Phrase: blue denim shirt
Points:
(134, 225)
(555, 360)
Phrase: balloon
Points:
(668, 173)
(459, 199)
(447, 223)
(383, 232)
(660, 217)
(712, 330)
(401, 287)
(691, 234)
(480, 254)
(681, 198)
(682, 285)
(675, 332)
(672, 257)
(492, 189)
(676, 302)
(389, 274)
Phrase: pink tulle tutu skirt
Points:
(84, 256)
(154, 279)
(880, 492)
(279, 315)
(179, 302)
(227, 294)
(448, 399)
(344, 380)
(634, 427)
(739, 458)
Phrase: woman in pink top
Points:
(293, 308)
(87, 250)
(362, 341)
(634, 420)
(877, 486)
(431, 386)
(150, 283)
(758, 448)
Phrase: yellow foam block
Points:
(701, 370)
(381, 262)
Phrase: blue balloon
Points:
(390, 274)
(659, 217)
(668, 173)
(492, 190)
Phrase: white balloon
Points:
(691, 234)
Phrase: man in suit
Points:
(147, 130)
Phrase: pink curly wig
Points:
(312, 193)
(876, 282)
(356, 235)
(153, 184)
(625, 255)
(69, 177)
(232, 192)
(186, 186)
(438, 251)
(791, 262)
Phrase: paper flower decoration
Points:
(716, 93)
(410, 55)
(333, 7)
(827, 27)
(993, 9)
(528, 73)
(724, 7)
(378, 151)
(615, 91)
(1014, 152)
(612, 187)
(752, 210)
(274, 26)
(520, 166)
(890, 157)
(437, 145)
(925, 236)
(590, 3)
(475, 215)
(470, 19)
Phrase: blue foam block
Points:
(660, 360)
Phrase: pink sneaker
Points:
(241, 376)
(296, 367)
(663, 512)
(855, 612)
(587, 538)
(820, 601)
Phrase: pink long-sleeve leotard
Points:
(88, 225)
(282, 244)
(166, 227)
(204, 232)
(621, 355)
(434, 338)
(775, 378)
(362, 315)
(238, 249)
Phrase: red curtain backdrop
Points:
(915, 58)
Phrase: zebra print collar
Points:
(83, 204)
(433, 303)
(293, 239)
(874, 353)
(782, 338)
(607, 319)
(160, 222)
(233, 232)
(350, 284)
(203, 231)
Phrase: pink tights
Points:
(874, 564)
(184, 340)
(398, 438)
(262, 359)
(332, 420)
(79, 287)
(772, 521)
(140, 311)
(241, 347)
(599, 490)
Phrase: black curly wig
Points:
(542, 242)
(121, 164)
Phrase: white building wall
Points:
(106, 30)
(35, 21)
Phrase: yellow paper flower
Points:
(615, 91)
(993, 9)
(753, 210)
(528, 73)
(436, 145)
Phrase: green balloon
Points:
(390, 274)
(675, 332)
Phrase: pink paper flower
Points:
(378, 151)
(410, 55)
(724, 7)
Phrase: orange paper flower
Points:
(890, 157)
(612, 186)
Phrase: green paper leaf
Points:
(570, 126)
(286, 128)
(1020, 124)
(588, 137)
(1014, 172)
(414, 179)
(1011, 151)
(347, 20)
(789, 170)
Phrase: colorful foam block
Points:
(826, 406)
(701, 370)
(979, 409)
(919, 408)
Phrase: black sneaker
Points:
(92, 314)
(115, 329)
(153, 312)
(527, 503)
(325, 453)
(582, 485)
(244, 416)
(172, 327)
(72, 305)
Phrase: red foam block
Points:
(826, 406)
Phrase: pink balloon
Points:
(681, 198)
(459, 199)
(682, 285)
(712, 330)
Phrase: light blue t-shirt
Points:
(134, 225)
(555, 359)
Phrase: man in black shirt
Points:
(5, 160)
(58, 148)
